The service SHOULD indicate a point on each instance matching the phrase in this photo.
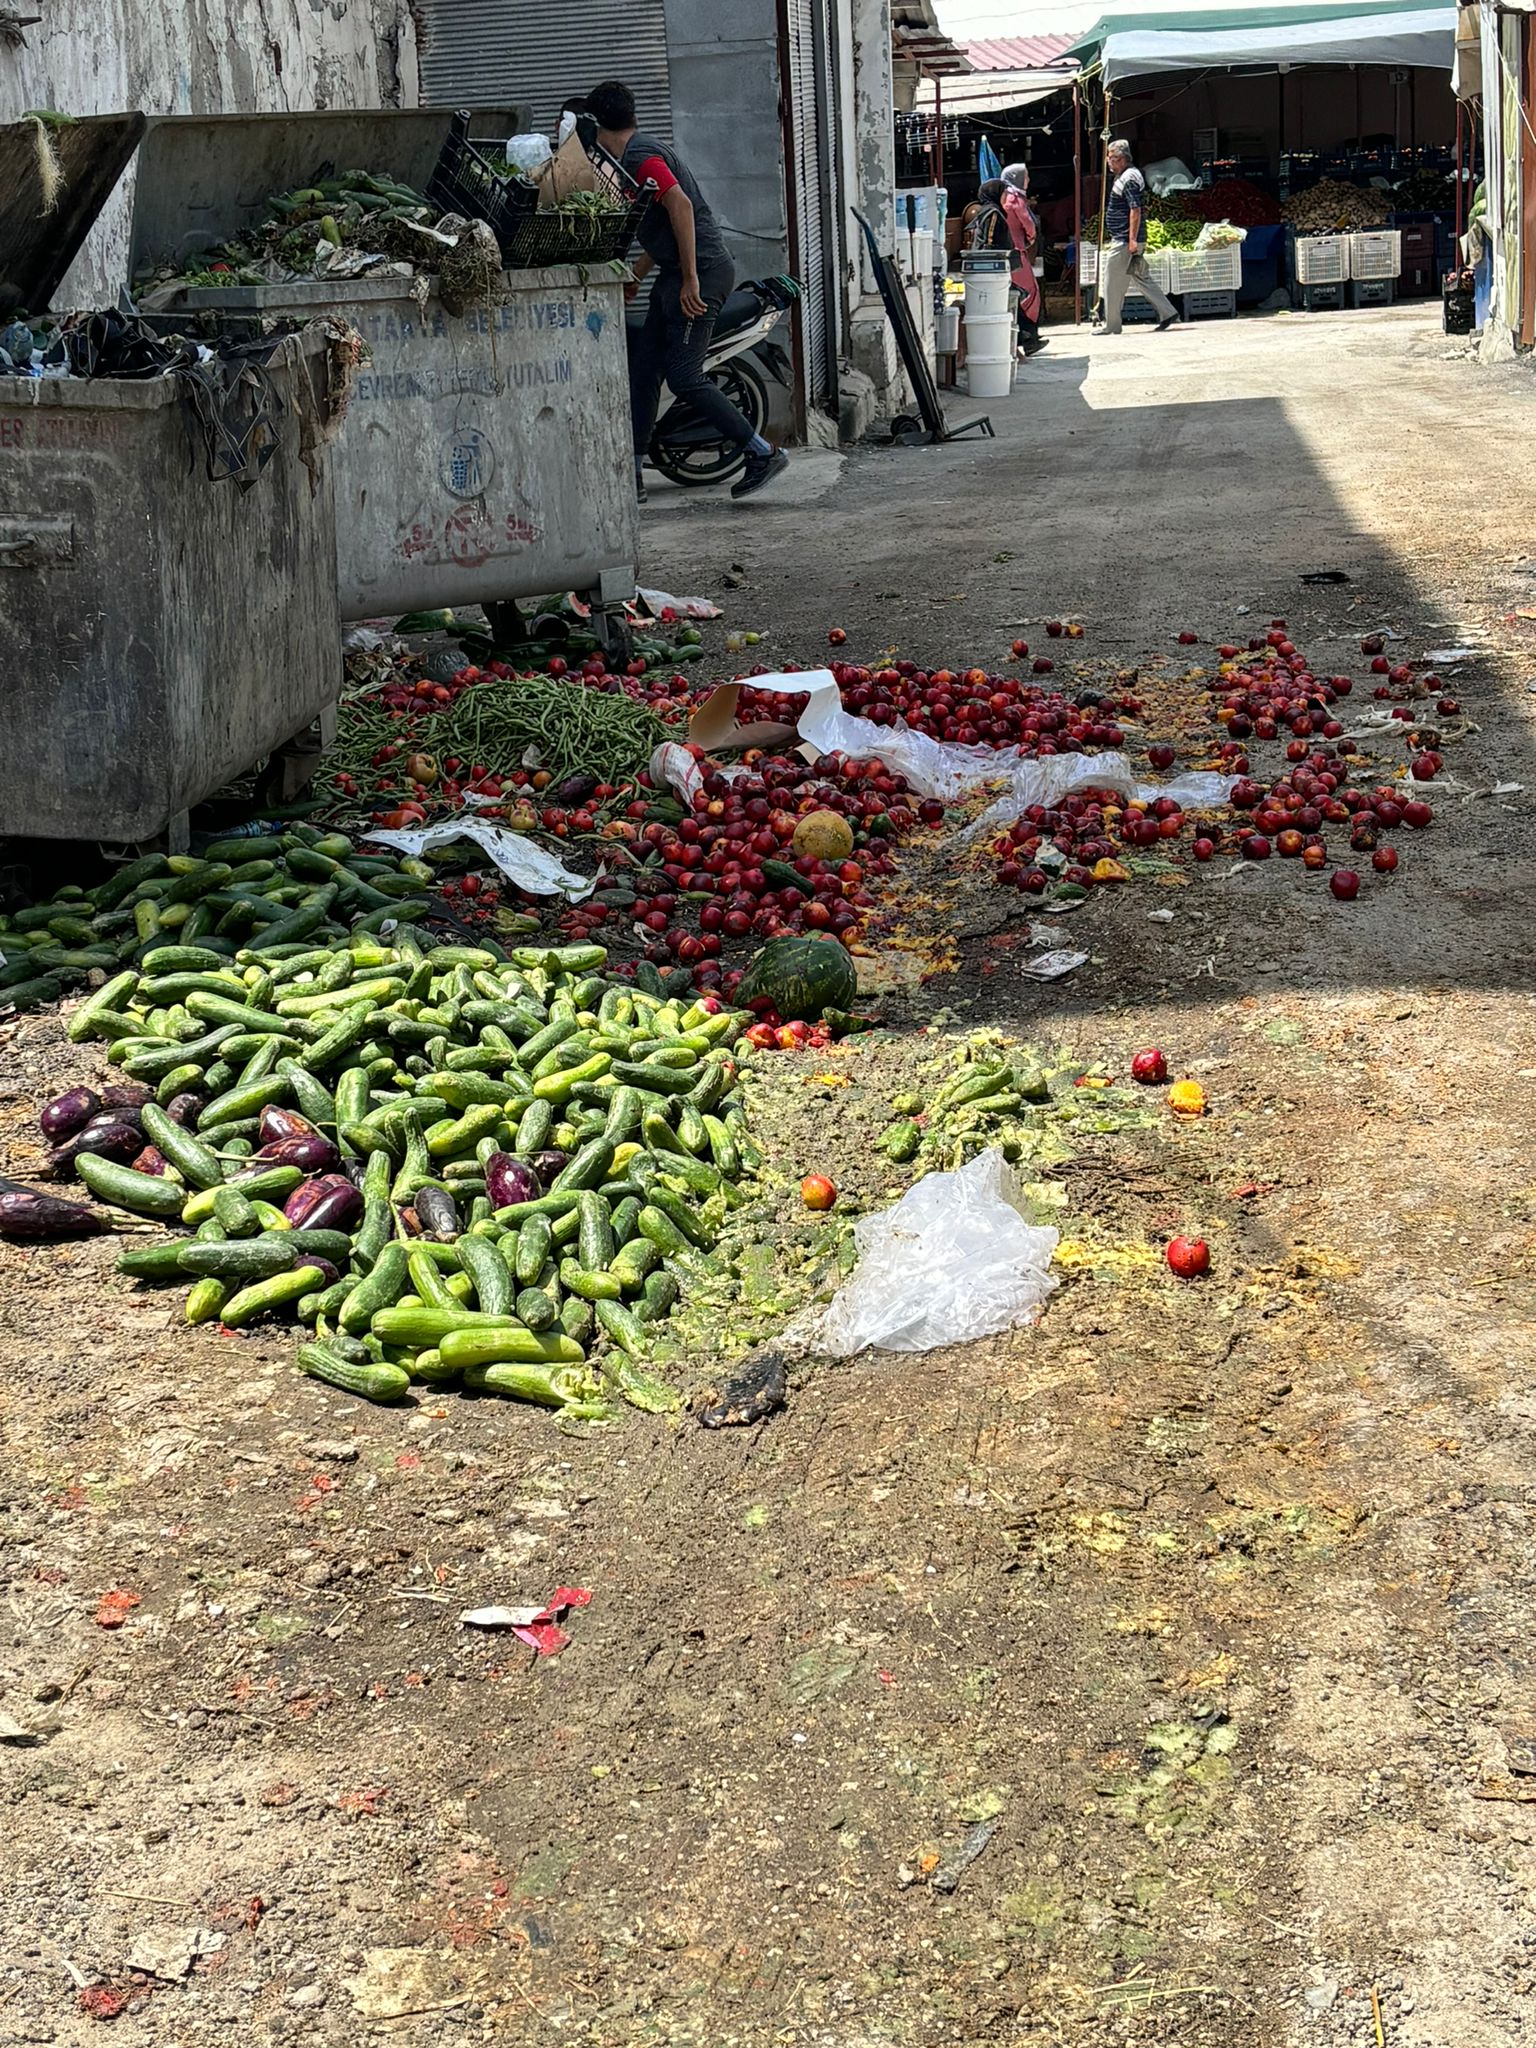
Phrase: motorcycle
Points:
(741, 358)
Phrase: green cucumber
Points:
(144, 1194)
(283, 1290)
(375, 1382)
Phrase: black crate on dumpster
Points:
(1318, 298)
(466, 182)
(1372, 291)
(1210, 305)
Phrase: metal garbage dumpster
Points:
(484, 457)
(160, 631)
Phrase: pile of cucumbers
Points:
(299, 884)
(513, 1166)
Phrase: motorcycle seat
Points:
(739, 310)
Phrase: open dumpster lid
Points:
(204, 177)
(39, 243)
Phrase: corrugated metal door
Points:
(815, 214)
(534, 53)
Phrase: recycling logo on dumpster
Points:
(470, 463)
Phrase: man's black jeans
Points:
(669, 349)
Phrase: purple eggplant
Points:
(509, 1180)
(313, 1154)
(278, 1123)
(327, 1202)
(24, 1215)
(153, 1161)
(574, 790)
(548, 1164)
(355, 1170)
(68, 1113)
(438, 1214)
(186, 1109)
(116, 1140)
(126, 1095)
(328, 1273)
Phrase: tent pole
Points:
(938, 129)
(1077, 204)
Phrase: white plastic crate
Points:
(1158, 267)
(1207, 270)
(1377, 254)
(1322, 259)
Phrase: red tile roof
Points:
(1018, 53)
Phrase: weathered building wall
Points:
(200, 57)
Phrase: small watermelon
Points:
(801, 977)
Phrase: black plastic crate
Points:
(1210, 305)
(1372, 291)
(466, 183)
(1318, 298)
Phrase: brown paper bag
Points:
(569, 170)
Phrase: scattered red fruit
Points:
(1054, 629)
(1345, 884)
(837, 637)
(1189, 1257)
(817, 1192)
(1149, 1067)
(1020, 649)
(1189, 639)
(1384, 860)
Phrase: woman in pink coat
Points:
(1024, 232)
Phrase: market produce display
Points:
(1334, 207)
(452, 1166)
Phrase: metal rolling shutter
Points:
(816, 213)
(531, 53)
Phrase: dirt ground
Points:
(1211, 1602)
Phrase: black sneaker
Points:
(761, 469)
(1033, 348)
(642, 495)
(1163, 325)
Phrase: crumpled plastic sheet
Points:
(942, 769)
(521, 859)
(955, 1259)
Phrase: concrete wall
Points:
(201, 56)
(724, 65)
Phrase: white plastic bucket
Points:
(989, 340)
(946, 333)
(986, 293)
(989, 380)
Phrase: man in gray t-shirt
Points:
(681, 242)
(1124, 256)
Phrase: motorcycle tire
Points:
(714, 462)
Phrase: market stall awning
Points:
(991, 92)
(1268, 38)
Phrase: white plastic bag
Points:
(942, 769)
(530, 153)
(521, 859)
(953, 1260)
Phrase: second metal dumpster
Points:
(485, 457)
(160, 632)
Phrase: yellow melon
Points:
(824, 835)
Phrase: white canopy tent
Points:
(1423, 36)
